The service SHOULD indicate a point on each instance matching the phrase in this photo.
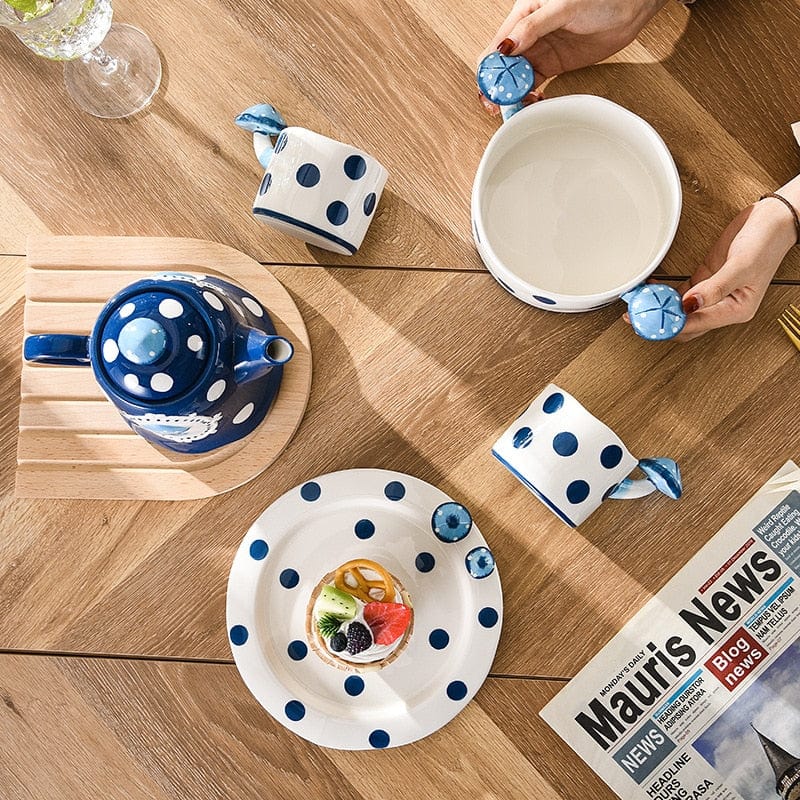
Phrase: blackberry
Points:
(338, 642)
(358, 638)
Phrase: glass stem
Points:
(101, 59)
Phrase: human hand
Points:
(730, 284)
(561, 35)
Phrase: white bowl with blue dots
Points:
(319, 190)
(450, 575)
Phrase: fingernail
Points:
(532, 97)
(691, 304)
(506, 47)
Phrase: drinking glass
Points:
(111, 71)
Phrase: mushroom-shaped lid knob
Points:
(261, 118)
(655, 311)
(153, 345)
(505, 80)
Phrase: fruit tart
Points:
(359, 617)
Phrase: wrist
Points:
(778, 222)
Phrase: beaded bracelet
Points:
(790, 207)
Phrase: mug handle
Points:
(265, 122)
(57, 348)
(661, 474)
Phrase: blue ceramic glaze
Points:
(261, 118)
(655, 311)
(664, 474)
(192, 363)
(505, 80)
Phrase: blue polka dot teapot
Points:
(191, 362)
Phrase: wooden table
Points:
(115, 673)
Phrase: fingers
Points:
(520, 10)
(547, 18)
(711, 289)
(728, 311)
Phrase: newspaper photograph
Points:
(698, 696)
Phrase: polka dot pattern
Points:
(394, 490)
(451, 522)
(523, 437)
(577, 491)
(565, 444)
(131, 382)
(216, 390)
(244, 414)
(295, 710)
(238, 635)
(337, 213)
(548, 301)
(364, 528)
(259, 549)
(438, 639)
(488, 617)
(379, 739)
(266, 182)
(170, 308)
(161, 382)
(611, 456)
(110, 350)
(354, 685)
(213, 301)
(355, 167)
(457, 690)
(253, 307)
(553, 403)
(195, 343)
(307, 175)
(310, 491)
(127, 310)
(289, 578)
(424, 562)
(297, 650)
(282, 141)
(369, 203)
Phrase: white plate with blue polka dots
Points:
(420, 535)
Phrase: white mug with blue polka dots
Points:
(573, 462)
(314, 188)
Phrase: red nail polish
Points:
(506, 47)
(690, 305)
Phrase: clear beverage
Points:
(61, 30)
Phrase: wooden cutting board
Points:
(72, 441)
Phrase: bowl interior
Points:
(577, 196)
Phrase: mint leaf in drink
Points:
(30, 9)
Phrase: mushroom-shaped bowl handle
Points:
(57, 348)
(265, 122)
(655, 311)
(505, 80)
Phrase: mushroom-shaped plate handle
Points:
(655, 311)
(261, 118)
(505, 80)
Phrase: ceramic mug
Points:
(573, 462)
(314, 188)
(575, 202)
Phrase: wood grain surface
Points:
(396, 78)
(407, 379)
(72, 442)
(77, 727)
(416, 369)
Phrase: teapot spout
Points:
(256, 353)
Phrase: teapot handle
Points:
(57, 348)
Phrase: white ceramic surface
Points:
(319, 190)
(564, 455)
(576, 201)
(309, 531)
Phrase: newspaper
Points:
(698, 696)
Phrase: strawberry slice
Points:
(387, 621)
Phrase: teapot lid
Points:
(152, 345)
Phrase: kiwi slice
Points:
(335, 602)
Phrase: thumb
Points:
(714, 289)
(549, 17)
